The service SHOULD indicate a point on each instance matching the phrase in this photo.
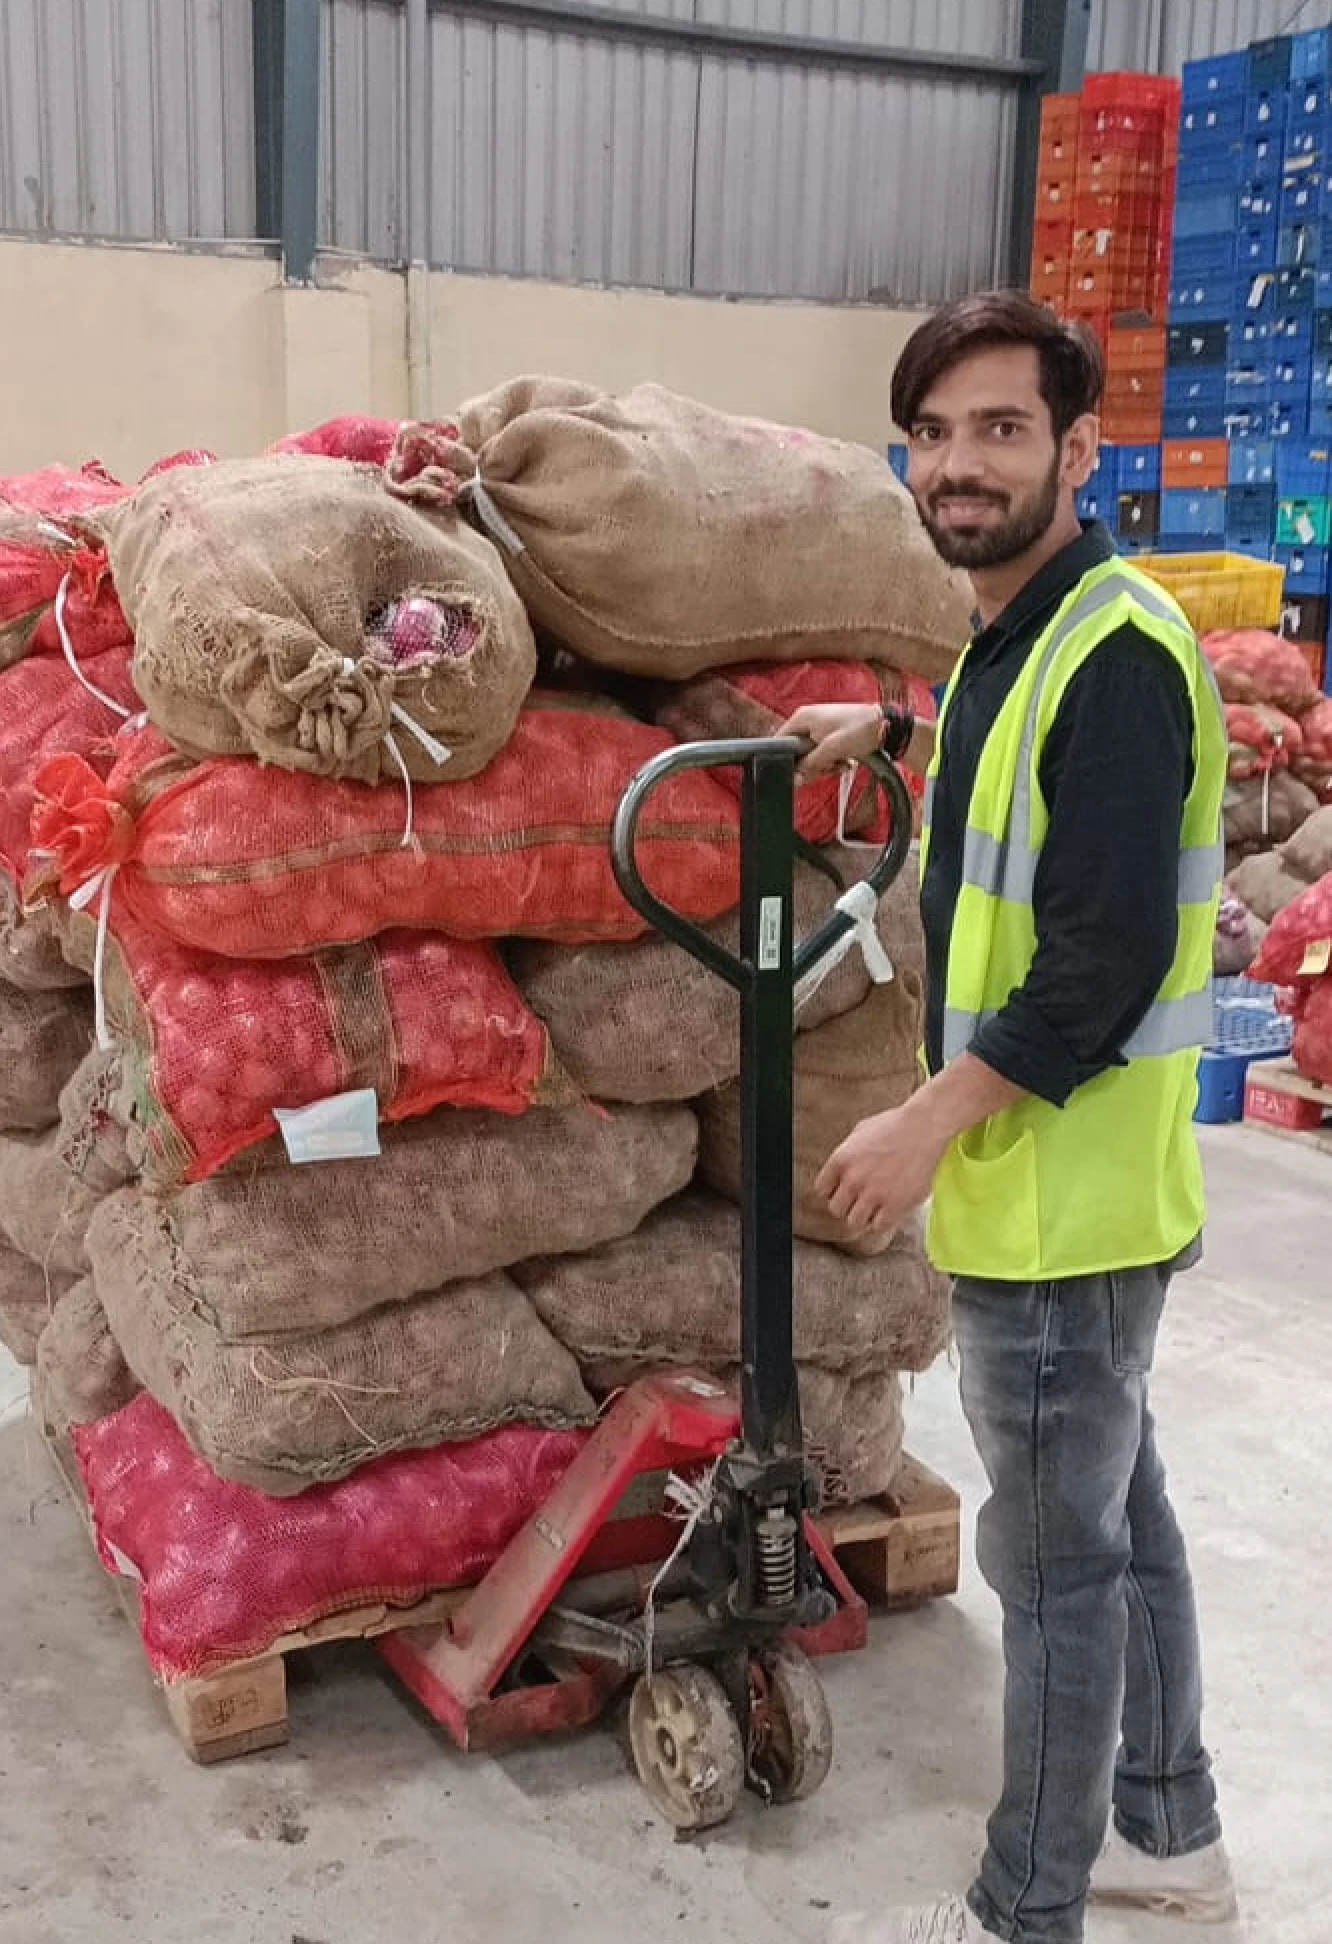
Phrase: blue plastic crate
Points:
(1289, 419)
(1303, 469)
(1259, 202)
(1204, 256)
(1306, 144)
(897, 459)
(1309, 54)
(1255, 297)
(1222, 1078)
(1262, 157)
(1265, 108)
(1304, 246)
(1247, 387)
(1292, 381)
(1322, 330)
(1201, 512)
(1245, 1016)
(1320, 379)
(1291, 335)
(1206, 298)
(1138, 469)
(1248, 425)
(1218, 163)
(1296, 290)
(1309, 103)
(1207, 212)
(1097, 502)
(1256, 246)
(1270, 62)
(1219, 74)
(1253, 462)
(1194, 422)
(1306, 568)
(1195, 385)
(1320, 419)
(1251, 507)
(1305, 196)
(1249, 334)
(1204, 344)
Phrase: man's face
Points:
(983, 463)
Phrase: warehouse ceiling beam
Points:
(286, 129)
(706, 37)
(1054, 42)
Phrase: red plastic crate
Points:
(1195, 462)
(1121, 89)
(1274, 1107)
(1315, 653)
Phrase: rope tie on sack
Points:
(690, 1502)
(99, 886)
(330, 1387)
(438, 752)
(860, 904)
(474, 491)
(67, 649)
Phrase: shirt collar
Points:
(1048, 587)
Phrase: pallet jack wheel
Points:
(686, 1745)
(790, 1728)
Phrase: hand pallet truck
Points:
(717, 1618)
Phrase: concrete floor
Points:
(370, 1829)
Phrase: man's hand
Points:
(884, 1168)
(841, 732)
(886, 1165)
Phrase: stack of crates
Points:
(1123, 203)
(1056, 192)
(1125, 492)
(1249, 350)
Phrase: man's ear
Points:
(1081, 443)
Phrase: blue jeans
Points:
(1100, 1634)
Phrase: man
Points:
(1070, 873)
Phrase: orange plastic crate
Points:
(1315, 653)
(1195, 462)
(1136, 348)
(1116, 171)
(1119, 88)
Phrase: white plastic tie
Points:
(693, 1501)
(437, 751)
(860, 904)
(100, 885)
(67, 648)
(846, 783)
(474, 489)
(409, 829)
(1267, 800)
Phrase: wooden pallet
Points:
(898, 1551)
(1281, 1100)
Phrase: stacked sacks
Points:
(497, 1075)
(1297, 955)
(1280, 730)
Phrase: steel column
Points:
(1054, 38)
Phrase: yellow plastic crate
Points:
(1220, 590)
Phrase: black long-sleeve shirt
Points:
(1115, 771)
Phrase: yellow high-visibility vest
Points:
(1113, 1179)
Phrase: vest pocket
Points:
(985, 1217)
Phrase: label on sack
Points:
(1317, 958)
(343, 1127)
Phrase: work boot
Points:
(952, 1922)
(1198, 1887)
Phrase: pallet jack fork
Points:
(717, 1617)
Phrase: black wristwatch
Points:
(899, 725)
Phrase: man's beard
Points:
(994, 546)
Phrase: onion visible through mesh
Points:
(418, 629)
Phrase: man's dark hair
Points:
(1071, 361)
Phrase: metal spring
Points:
(777, 1559)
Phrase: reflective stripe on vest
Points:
(1005, 867)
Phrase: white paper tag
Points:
(124, 1564)
(344, 1127)
(770, 934)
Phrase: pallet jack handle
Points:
(765, 973)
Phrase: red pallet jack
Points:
(717, 1609)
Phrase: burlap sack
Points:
(656, 535)
(81, 1373)
(273, 1250)
(252, 585)
(852, 1423)
(43, 1036)
(445, 1367)
(648, 1022)
(93, 1139)
(670, 1294)
(1265, 885)
(30, 954)
(1263, 812)
(44, 1210)
(28, 1297)
(860, 1064)
(1308, 854)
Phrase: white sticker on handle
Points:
(343, 1127)
(770, 934)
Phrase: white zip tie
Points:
(68, 647)
(79, 901)
(437, 751)
(409, 830)
(860, 904)
(488, 513)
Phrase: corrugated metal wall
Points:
(1158, 36)
(127, 118)
(556, 152)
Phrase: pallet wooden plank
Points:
(235, 1712)
(905, 1548)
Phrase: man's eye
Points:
(1006, 428)
(926, 434)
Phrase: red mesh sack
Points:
(1298, 944)
(1312, 1047)
(226, 1571)
(43, 548)
(1254, 666)
(267, 864)
(1313, 764)
(1261, 738)
(368, 440)
(215, 1044)
(46, 711)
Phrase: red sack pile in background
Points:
(214, 1044)
(1313, 764)
(1298, 944)
(1262, 737)
(1254, 666)
(264, 863)
(1311, 1049)
(45, 712)
(368, 440)
(225, 1571)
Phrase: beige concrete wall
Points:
(125, 354)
